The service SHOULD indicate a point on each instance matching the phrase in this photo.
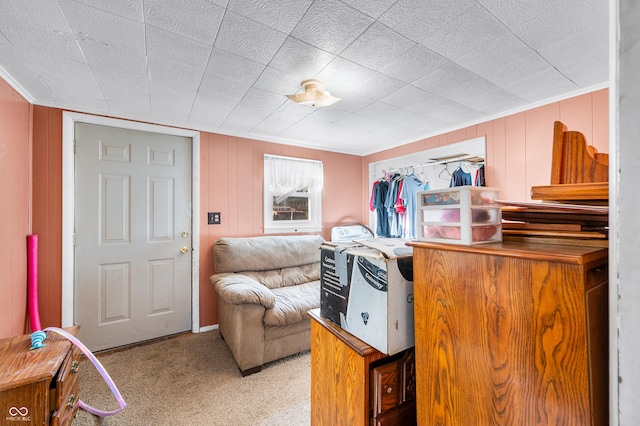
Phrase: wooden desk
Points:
(40, 386)
(353, 383)
(511, 334)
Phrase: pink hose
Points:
(32, 281)
(38, 336)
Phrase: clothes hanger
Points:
(446, 169)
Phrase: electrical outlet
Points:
(213, 218)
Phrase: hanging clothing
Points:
(410, 187)
(379, 197)
(480, 176)
(460, 178)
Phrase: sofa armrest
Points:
(238, 289)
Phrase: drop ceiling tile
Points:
(273, 125)
(544, 85)
(563, 20)
(30, 82)
(83, 85)
(131, 9)
(172, 47)
(221, 88)
(249, 39)
(195, 19)
(446, 110)
(371, 8)
(582, 65)
(102, 57)
(116, 85)
(514, 13)
(481, 95)
(41, 14)
(139, 109)
(352, 102)
(413, 64)
(444, 78)
(261, 99)
(39, 40)
(465, 33)
(417, 19)
(108, 28)
(88, 103)
(342, 75)
(378, 86)
(379, 111)
(292, 108)
(326, 115)
(406, 96)
(407, 118)
(331, 25)
(298, 58)
(360, 124)
(164, 110)
(377, 46)
(242, 120)
(494, 54)
(518, 69)
(276, 81)
(167, 74)
(233, 67)
(282, 15)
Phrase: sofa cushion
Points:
(265, 252)
(292, 303)
(239, 288)
(286, 277)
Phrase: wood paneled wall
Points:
(15, 208)
(518, 156)
(519, 146)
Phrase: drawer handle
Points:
(74, 366)
(389, 389)
(71, 402)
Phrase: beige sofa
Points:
(266, 285)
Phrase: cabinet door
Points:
(386, 385)
(401, 416)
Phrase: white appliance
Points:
(351, 232)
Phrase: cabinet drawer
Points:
(386, 393)
(67, 381)
(408, 370)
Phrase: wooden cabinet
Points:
(354, 384)
(511, 334)
(40, 386)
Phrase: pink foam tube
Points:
(32, 281)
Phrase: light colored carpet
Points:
(192, 379)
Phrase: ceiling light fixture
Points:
(314, 95)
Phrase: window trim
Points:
(313, 224)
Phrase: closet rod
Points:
(465, 158)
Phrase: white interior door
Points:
(132, 251)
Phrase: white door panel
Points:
(132, 225)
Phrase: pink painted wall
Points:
(231, 171)
(518, 156)
(519, 146)
(15, 208)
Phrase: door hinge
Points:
(74, 239)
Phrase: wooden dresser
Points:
(40, 386)
(511, 334)
(353, 383)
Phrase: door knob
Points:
(184, 250)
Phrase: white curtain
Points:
(288, 175)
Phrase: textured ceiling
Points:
(406, 69)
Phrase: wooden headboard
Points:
(573, 161)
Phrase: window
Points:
(292, 194)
